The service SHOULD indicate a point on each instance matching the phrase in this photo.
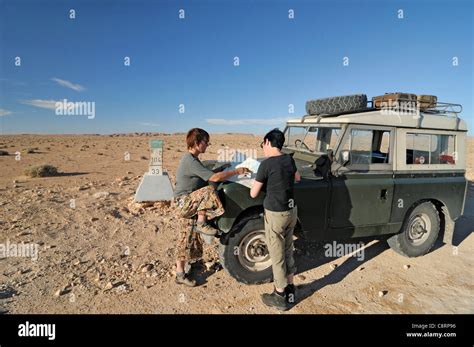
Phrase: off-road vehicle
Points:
(367, 171)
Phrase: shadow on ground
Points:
(340, 272)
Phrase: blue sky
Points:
(190, 61)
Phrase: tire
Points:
(242, 247)
(413, 241)
(337, 104)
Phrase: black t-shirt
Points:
(278, 176)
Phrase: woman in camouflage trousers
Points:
(195, 197)
(186, 207)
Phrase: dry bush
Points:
(42, 171)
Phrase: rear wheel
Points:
(245, 256)
(419, 232)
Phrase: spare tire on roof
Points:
(336, 104)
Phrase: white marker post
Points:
(156, 160)
(155, 184)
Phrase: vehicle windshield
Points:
(313, 139)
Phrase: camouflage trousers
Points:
(189, 245)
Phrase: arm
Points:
(259, 181)
(198, 169)
(297, 177)
(222, 176)
(297, 174)
(256, 187)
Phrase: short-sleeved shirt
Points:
(191, 175)
(278, 176)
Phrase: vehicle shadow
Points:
(465, 224)
(311, 255)
(339, 273)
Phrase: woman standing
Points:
(194, 196)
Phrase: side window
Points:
(381, 147)
(335, 134)
(327, 139)
(443, 151)
(426, 149)
(361, 145)
(311, 138)
(385, 143)
(418, 148)
(368, 147)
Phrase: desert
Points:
(100, 252)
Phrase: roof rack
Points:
(443, 108)
(440, 108)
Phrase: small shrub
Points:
(42, 171)
(29, 150)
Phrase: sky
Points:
(182, 72)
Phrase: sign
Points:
(156, 157)
(155, 184)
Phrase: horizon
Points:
(135, 133)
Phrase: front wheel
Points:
(245, 256)
(419, 232)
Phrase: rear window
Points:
(430, 149)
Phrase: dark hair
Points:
(195, 136)
(275, 137)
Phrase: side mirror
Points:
(345, 156)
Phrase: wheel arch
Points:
(446, 229)
(250, 213)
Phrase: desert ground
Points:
(99, 252)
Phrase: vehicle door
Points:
(362, 190)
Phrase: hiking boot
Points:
(275, 300)
(184, 279)
(290, 294)
(205, 229)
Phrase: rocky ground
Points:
(99, 252)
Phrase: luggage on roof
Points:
(394, 100)
(427, 101)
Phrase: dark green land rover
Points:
(366, 172)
